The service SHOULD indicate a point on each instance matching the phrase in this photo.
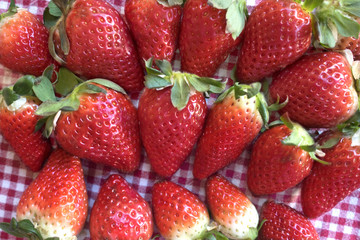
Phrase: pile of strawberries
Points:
(297, 65)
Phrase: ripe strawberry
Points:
(119, 212)
(281, 149)
(24, 42)
(320, 89)
(56, 201)
(172, 116)
(178, 213)
(235, 215)
(277, 33)
(234, 121)
(96, 121)
(155, 27)
(284, 222)
(210, 30)
(96, 32)
(327, 185)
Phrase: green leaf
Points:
(220, 4)
(9, 96)
(253, 90)
(152, 81)
(310, 5)
(11, 10)
(27, 226)
(198, 85)
(233, 73)
(23, 229)
(170, 3)
(236, 16)
(44, 90)
(180, 94)
(165, 66)
(314, 157)
(24, 85)
(149, 69)
(277, 106)
(48, 72)
(262, 108)
(49, 126)
(89, 88)
(326, 37)
(298, 137)
(329, 143)
(346, 26)
(224, 94)
(39, 124)
(351, 6)
(66, 82)
(216, 86)
(50, 108)
(54, 10)
(108, 84)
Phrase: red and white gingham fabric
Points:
(343, 222)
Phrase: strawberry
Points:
(155, 26)
(119, 212)
(234, 121)
(23, 41)
(172, 113)
(56, 201)
(284, 222)
(320, 89)
(96, 121)
(94, 30)
(210, 30)
(235, 215)
(287, 149)
(327, 185)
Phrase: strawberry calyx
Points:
(170, 3)
(12, 10)
(236, 15)
(350, 129)
(23, 229)
(182, 84)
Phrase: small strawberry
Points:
(210, 30)
(155, 26)
(287, 149)
(235, 215)
(172, 112)
(283, 222)
(320, 89)
(327, 185)
(96, 43)
(55, 204)
(119, 212)
(96, 121)
(24, 42)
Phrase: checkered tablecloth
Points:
(343, 222)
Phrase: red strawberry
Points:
(24, 42)
(280, 149)
(235, 215)
(234, 121)
(155, 26)
(119, 212)
(178, 213)
(56, 201)
(210, 30)
(283, 222)
(172, 116)
(99, 44)
(97, 121)
(277, 33)
(320, 89)
(327, 185)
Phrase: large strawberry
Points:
(320, 89)
(327, 185)
(24, 42)
(155, 26)
(210, 30)
(172, 112)
(235, 215)
(283, 222)
(55, 204)
(119, 212)
(234, 121)
(96, 42)
(96, 121)
(281, 158)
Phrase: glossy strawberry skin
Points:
(231, 126)
(119, 212)
(178, 213)
(57, 199)
(105, 129)
(277, 34)
(283, 222)
(154, 27)
(327, 185)
(24, 44)
(168, 134)
(320, 89)
(204, 45)
(270, 157)
(18, 129)
(101, 45)
(230, 208)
